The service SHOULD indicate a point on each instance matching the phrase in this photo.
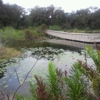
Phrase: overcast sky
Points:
(66, 5)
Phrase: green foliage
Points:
(55, 27)
(52, 16)
(32, 90)
(52, 79)
(95, 55)
(77, 30)
(96, 85)
(40, 93)
(77, 87)
(82, 83)
(92, 72)
(43, 28)
(19, 97)
(11, 34)
(52, 88)
(28, 35)
(11, 15)
(59, 86)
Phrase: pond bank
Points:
(6, 53)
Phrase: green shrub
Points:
(28, 35)
(55, 27)
(77, 86)
(43, 28)
(10, 34)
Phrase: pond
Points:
(14, 70)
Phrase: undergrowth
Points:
(10, 34)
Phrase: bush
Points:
(55, 27)
(28, 35)
(66, 26)
(43, 28)
(10, 34)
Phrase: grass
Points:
(6, 53)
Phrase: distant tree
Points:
(14, 15)
(84, 19)
(10, 15)
(59, 17)
(37, 16)
(2, 13)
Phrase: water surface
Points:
(8, 77)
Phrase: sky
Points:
(66, 5)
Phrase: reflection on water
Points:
(63, 60)
(1, 75)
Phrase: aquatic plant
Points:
(82, 83)
(46, 52)
(38, 53)
(52, 88)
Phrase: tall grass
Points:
(6, 53)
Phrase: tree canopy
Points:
(15, 16)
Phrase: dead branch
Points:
(23, 81)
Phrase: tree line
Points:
(16, 16)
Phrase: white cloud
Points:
(67, 5)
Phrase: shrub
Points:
(55, 27)
(43, 28)
(28, 35)
(11, 34)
